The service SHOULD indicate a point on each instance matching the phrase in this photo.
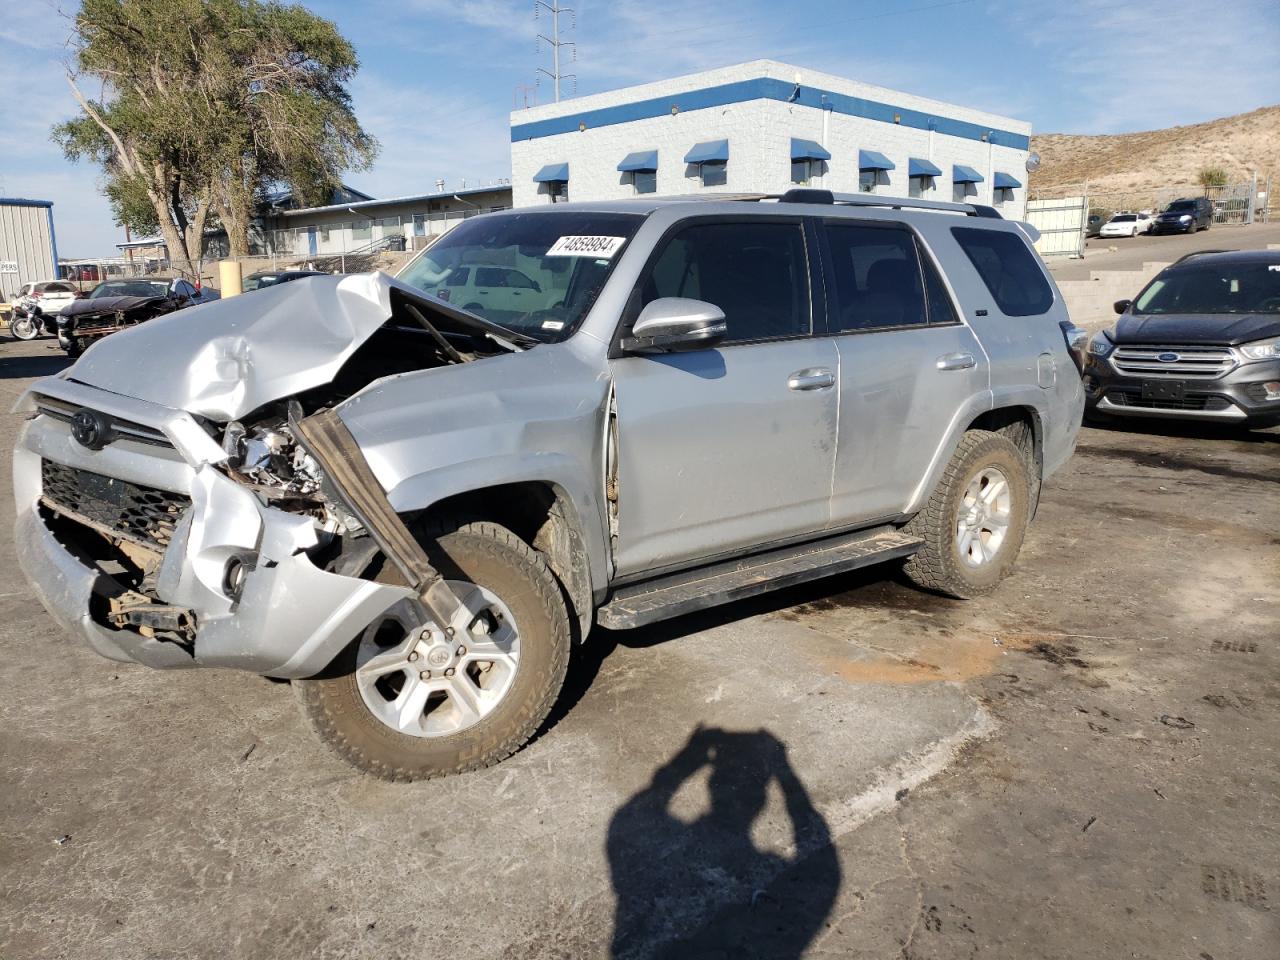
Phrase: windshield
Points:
(536, 273)
(1221, 288)
(258, 282)
(1179, 205)
(130, 288)
(1124, 218)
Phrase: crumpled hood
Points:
(224, 359)
(81, 308)
(1214, 329)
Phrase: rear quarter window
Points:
(1008, 268)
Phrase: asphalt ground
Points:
(1084, 764)
(1129, 253)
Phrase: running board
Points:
(679, 593)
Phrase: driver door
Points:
(730, 448)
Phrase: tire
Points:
(939, 565)
(25, 328)
(499, 562)
(473, 307)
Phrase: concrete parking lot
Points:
(1085, 764)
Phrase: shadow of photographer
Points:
(701, 887)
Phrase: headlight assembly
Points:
(1100, 345)
(1261, 350)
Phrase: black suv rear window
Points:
(1008, 268)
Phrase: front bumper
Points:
(291, 617)
(1172, 226)
(1237, 397)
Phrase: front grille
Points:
(1190, 363)
(125, 429)
(144, 515)
(1192, 401)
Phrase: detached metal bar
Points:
(326, 438)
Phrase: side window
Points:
(518, 280)
(941, 308)
(1008, 268)
(756, 272)
(876, 277)
(491, 277)
(457, 277)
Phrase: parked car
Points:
(413, 512)
(499, 292)
(269, 278)
(1200, 342)
(1093, 226)
(113, 305)
(37, 301)
(1126, 225)
(1184, 216)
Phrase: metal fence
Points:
(1061, 223)
(1234, 204)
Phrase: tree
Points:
(1212, 177)
(204, 102)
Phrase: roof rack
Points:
(810, 195)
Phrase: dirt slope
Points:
(1158, 159)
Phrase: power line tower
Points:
(555, 42)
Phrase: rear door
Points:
(730, 448)
(907, 364)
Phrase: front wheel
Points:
(25, 328)
(405, 701)
(974, 523)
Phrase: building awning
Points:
(808, 150)
(961, 174)
(642, 161)
(553, 173)
(1005, 182)
(870, 160)
(922, 168)
(710, 151)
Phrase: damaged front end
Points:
(204, 505)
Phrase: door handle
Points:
(956, 361)
(811, 378)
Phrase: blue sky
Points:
(439, 77)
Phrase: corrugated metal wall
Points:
(27, 251)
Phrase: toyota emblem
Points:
(91, 429)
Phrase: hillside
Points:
(1157, 161)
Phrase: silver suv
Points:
(413, 511)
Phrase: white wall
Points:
(759, 134)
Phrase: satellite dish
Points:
(1033, 162)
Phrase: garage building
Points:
(765, 127)
(28, 248)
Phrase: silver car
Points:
(414, 510)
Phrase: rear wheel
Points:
(974, 523)
(406, 702)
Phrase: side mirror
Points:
(676, 323)
(1120, 306)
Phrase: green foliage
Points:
(205, 102)
(1212, 177)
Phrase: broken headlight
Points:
(269, 454)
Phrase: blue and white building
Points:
(765, 127)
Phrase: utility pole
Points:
(555, 42)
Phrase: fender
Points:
(574, 483)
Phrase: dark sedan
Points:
(1200, 342)
(116, 304)
(269, 278)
